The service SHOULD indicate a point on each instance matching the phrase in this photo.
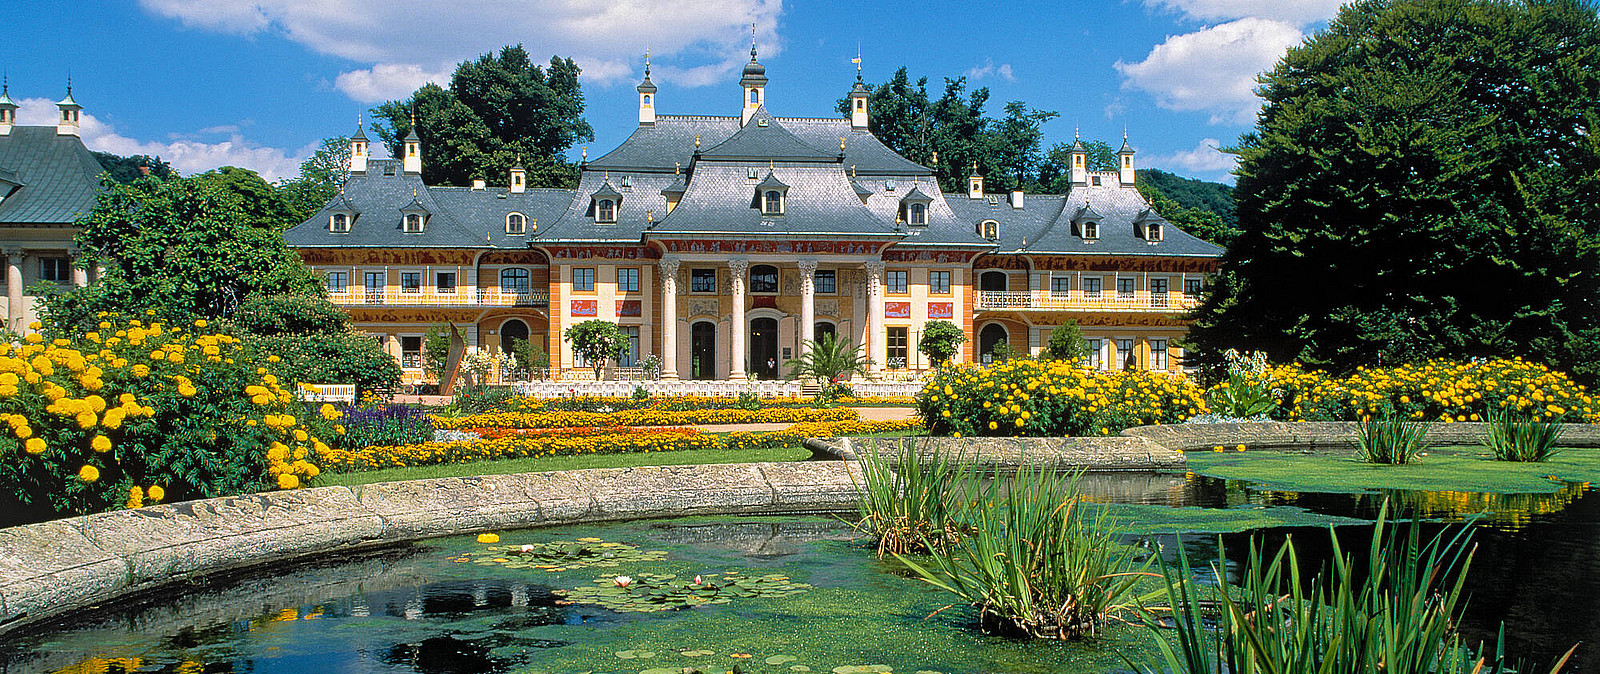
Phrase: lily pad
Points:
(665, 592)
(799, 668)
(557, 556)
(635, 655)
(862, 669)
(781, 659)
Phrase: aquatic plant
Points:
(1397, 615)
(1520, 437)
(1035, 562)
(650, 592)
(558, 556)
(911, 503)
(1390, 439)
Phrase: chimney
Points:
(1016, 198)
(478, 185)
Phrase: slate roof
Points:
(764, 139)
(671, 140)
(59, 177)
(720, 200)
(1045, 224)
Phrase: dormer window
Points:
(339, 223)
(413, 223)
(914, 207)
(1095, 181)
(1091, 229)
(770, 195)
(917, 214)
(989, 229)
(772, 203)
(750, 173)
(604, 203)
(627, 182)
(888, 185)
(605, 211)
(516, 223)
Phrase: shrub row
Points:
(1023, 397)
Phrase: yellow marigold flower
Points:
(288, 481)
(156, 493)
(34, 445)
(100, 443)
(89, 473)
(272, 358)
(135, 498)
(86, 419)
(200, 323)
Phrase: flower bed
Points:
(510, 444)
(137, 412)
(684, 403)
(1052, 398)
(646, 417)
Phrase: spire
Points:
(358, 149)
(647, 96)
(67, 123)
(411, 135)
(752, 41)
(360, 134)
(5, 91)
(858, 98)
(411, 162)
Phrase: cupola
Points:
(975, 183)
(647, 96)
(67, 123)
(858, 101)
(8, 108)
(411, 150)
(1125, 163)
(1079, 156)
(358, 150)
(518, 180)
(414, 216)
(754, 82)
(771, 195)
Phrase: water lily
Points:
(622, 581)
(697, 580)
(527, 548)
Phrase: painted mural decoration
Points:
(778, 247)
(630, 308)
(941, 310)
(897, 310)
(585, 308)
(420, 257)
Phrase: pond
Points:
(775, 594)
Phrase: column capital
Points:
(808, 266)
(739, 266)
(669, 267)
(14, 254)
(875, 267)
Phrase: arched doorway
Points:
(993, 280)
(824, 328)
(703, 350)
(512, 331)
(992, 335)
(764, 348)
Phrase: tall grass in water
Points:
(1390, 439)
(1397, 615)
(1514, 437)
(911, 503)
(1035, 562)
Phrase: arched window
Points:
(917, 214)
(339, 223)
(413, 223)
(516, 224)
(606, 211)
(647, 99)
(861, 104)
(514, 281)
(993, 281)
(1091, 229)
(773, 203)
(989, 229)
(992, 336)
(763, 279)
(1152, 231)
(755, 96)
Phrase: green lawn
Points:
(547, 463)
(1444, 469)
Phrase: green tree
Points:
(941, 340)
(827, 361)
(1055, 170)
(1197, 221)
(182, 247)
(315, 342)
(500, 109)
(1421, 182)
(597, 341)
(1066, 343)
(321, 176)
(128, 169)
(1191, 193)
(260, 204)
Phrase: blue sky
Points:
(206, 83)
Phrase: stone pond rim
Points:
(54, 568)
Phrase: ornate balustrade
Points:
(1045, 300)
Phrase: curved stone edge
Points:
(52, 568)
(1088, 453)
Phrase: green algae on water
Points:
(1442, 469)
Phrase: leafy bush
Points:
(1514, 437)
(481, 399)
(1066, 343)
(940, 341)
(1023, 397)
(1247, 392)
(329, 358)
(1390, 440)
(137, 411)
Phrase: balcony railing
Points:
(1045, 300)
(465, 297)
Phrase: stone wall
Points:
(1093, 454)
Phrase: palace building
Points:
(724, 244)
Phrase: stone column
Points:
(14, 288)
(668, 267)
(80, 274)
(875, 334)
(737, 331)
(808, 304)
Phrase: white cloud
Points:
(694, 42)
(1213, 69)
(1297, 12)
(989, 69)
(185, 155)
(1206, 157)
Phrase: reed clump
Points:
(1517, 437)
(1390, 439)
(911, 503)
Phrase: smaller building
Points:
(48, 180)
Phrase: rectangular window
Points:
(939, 282)
(1125, 359)
(703, 280)
(1158, 354)
(1091, 287)
(1125, 288)
(583, 280)
(1158, 292)
(630, 357)
(338, 281)
(373, 282)
(896, 280)
(1060, 285)
(444, 283)
(1096, 358)
(411, 281)
(628, 280)
(55, 269)
(899, 349)
(1191, 287)
(410, 351)
(827, 281)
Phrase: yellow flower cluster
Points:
(1437, 390)
(123, 413)
(1052, 398)
(647, 417)
(551, 444)
(687, 402)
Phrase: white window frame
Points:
(516, 224)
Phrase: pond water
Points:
(801, 595)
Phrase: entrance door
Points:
(511, 332)
(992, 336)
(703, 350)
(372, 282)
(764, 348)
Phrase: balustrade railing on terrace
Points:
(1077, 300)
(490, 297)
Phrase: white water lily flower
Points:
(622, 581)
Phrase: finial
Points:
(586, 153)
(647, 64)
(413, 193)
(5, 84)
(69, 84)
(697, 141)
(857, 61)
(1075, 132)
(677, 168)
(935, 157)
(852, 170)
(650, 216)
(607, 177)
(769, 165)
(752, 41)
(841, 143)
